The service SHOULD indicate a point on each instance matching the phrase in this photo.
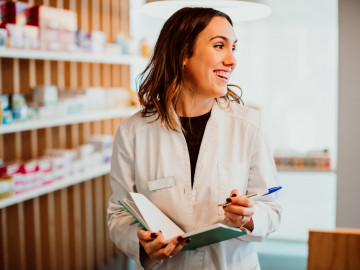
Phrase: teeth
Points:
(222, 74)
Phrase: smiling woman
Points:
(213, 149)
(191, 61)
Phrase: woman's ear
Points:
(185, 62)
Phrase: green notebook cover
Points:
(217, 234)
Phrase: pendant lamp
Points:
(238, 10)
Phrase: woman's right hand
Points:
(153, 244)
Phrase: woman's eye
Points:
(219, 46)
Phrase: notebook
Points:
(152, 219)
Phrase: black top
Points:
(195, 128)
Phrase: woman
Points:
(199, 145)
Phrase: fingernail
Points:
(153, 235)
(180, 238)
(187, 240)
(228, 200)
(234, 195)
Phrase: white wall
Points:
(348, 198)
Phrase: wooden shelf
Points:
(57, 185)
(284, 169)
(73, 119)
(72, 57)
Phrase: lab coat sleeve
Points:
(262, 176)
(122, 226)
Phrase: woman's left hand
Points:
(239, 212)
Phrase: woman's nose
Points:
(230, 59)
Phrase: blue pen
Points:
(269, 191)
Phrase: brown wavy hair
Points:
(163, 79)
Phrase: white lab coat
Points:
(233, 154)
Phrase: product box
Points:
(31, 37)
(3, 38)
(13, 12)
(10, 168)
(67, 40)
(53, 18)
(83, 41)
(15, 35)
(19, 107)
(49, 39)
(6, 186)
(44, 95)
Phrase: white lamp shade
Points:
(238, 10)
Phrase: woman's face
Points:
(210, 66)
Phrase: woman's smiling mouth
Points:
(222, 75)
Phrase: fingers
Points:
(237, 220)
(246, 202)
(174, 246)
(154, 244)
(239, 210)
(234, 193)
(146, 235)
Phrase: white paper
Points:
(156, 219)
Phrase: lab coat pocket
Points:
(232, 176)
(163, 193)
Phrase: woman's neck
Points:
(193, 106)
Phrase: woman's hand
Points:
(153, 244)
(240, 210)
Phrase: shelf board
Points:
(36, 192)
(73, 119)
(72, 56)
(285, 169)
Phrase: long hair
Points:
(163, 79)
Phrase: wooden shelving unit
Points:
(63, 225)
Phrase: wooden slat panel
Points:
(106, 19)
(115, 76)
(48, 244)
(7, 67)
(2, 147)
(99, 216)
(106, 76)
(95, 22)
(115, 18)
(4, 252)
(9, 147)
(109, 245)
(24, 65)
(88, 225)
(72, 136)
(39, 65)
(15, 237)
(16, 76)
(63, 221)
(33, 234)
(26, 142)
(75, 235)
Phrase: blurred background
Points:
(68, 74)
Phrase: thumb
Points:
(234, 193)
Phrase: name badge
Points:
(161, 183)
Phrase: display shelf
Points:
(315, 170)
(57, 185)
(73, 119)
(72, 57)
